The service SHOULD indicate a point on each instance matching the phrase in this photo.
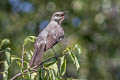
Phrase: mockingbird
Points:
(49, 37)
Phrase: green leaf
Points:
(77, 63)
(77, 46)
(63, 66)
(53, 61)
(33, 76)
(72, 55)
(19, 63)
(54, 66)
(15, 58)
(28, 76)
(29, 39)
(21, 69)
(4, 42)
(27, 64)
(74, 59)
(41, 74)
(20, 66)
(51, 66)
(46, 75)
(51, 74)
(8, 56)
(29, 54)
(7, 64)
(5, 73)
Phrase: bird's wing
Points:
(51, 41)
(54, 37)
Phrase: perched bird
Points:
(48, 37)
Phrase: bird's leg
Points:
(54, 53)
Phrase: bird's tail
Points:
(37, 56)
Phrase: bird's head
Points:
(59, 16)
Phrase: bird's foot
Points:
(56, 57)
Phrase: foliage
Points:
(53, 69)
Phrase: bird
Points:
(52, 34)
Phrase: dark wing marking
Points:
(54, 37)
(51, 41)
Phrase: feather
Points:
(38, 54)
(51, 41)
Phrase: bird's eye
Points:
(57, 15)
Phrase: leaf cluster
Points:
(51, 69)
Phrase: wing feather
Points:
(38, 53)
(54, 37)
(51, 41)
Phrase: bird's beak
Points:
(64, 13)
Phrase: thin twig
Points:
(22, 60)
(39, 65)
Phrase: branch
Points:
(39, 65)
(22, 60)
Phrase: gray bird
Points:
(49, 37)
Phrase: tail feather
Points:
(37, 56)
